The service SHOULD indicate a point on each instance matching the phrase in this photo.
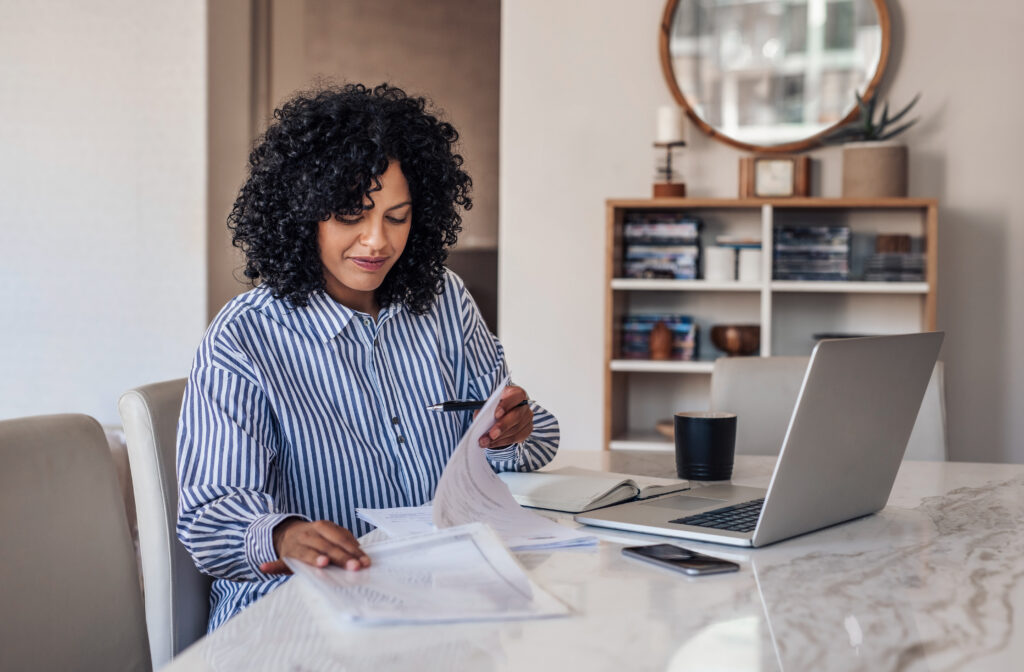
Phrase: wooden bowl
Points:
(666, 428)
(737, 339)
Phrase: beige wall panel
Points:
(229, 129)
(446, 50)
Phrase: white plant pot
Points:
(874, 170)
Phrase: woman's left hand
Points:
(512, 423)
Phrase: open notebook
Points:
(575, 490)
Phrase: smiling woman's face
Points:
(357, 251)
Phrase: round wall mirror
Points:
(773, 75)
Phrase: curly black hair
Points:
(322, 156)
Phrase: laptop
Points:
(853, 416)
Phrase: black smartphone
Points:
(680, 559)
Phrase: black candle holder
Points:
(665, 184)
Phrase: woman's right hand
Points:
(318, 543)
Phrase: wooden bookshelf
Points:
(784, 309)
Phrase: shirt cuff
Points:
(505, 457)
(259, 539)
(504, 453)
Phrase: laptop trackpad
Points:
(683, 502)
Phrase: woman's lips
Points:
(369, 263)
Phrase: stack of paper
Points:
(519, 533)
(459, 574)
(447, 562)
(470, 492)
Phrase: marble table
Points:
(935, 581)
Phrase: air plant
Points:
(866, 129)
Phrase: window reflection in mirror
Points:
(772, 72)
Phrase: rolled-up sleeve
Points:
(226, 459)
(486, 359)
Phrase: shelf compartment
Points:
(850, 287)
(661, 366)
(631, 284)
(799, 316)
(706, 308)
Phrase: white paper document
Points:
(545, 535)
(401, 521)
(469, 491)
(458, 574)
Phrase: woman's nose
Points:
(373, 233)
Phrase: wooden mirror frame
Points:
(795, 146)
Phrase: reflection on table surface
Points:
(930, 583)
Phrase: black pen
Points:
(466, 405)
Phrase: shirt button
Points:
(401, 439)
(366, 321)
(394, 420)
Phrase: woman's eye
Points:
(396, 220)
(350, 220)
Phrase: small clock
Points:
(774, 176)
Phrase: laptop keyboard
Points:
(737, 518)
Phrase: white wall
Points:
(578, 94)
(102, 199)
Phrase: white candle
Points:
(720, 264)
(749, 265)
(671, 124)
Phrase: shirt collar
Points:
(324, 318)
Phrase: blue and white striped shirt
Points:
(315, 411)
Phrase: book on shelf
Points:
(878, 257)
(665, 269)
(660, 227)
(811, 253)
(678, 262)
(661, 245)
(575, 490)
(895, 267)
(738, 241)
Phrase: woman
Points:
(308, 394)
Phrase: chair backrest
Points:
(928, 440)
(70, 591)
(762, 391)
(177, 595)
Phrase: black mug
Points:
(705, 444)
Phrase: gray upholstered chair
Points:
(177, 595)
(70, 589)
(762, 391)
